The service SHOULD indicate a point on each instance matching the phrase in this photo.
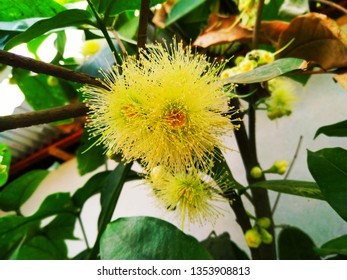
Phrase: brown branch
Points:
(143, 22)
(332, 4)
(36, 66)
(43, 116)
(257, 25)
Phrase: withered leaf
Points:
(226, 29)
(317, 38)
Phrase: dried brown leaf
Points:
(226, 29)
(317, 38)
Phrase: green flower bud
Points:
(253, 238)
(264, 222)
(52, 81)
(256, 172)
(266, 237)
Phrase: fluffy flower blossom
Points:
(163, 109)
(190, 193)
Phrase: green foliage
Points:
(335, 246)
(268, 71)
(222, 248)
(38, 93)
(18, 191)
(294, 244)
(337, 129)
(89, 155)
(300, 188)
(63, 19)
(329, 169)
(147, 238)
(18, 9)
(181, 9)
(5, 161)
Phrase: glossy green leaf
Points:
(181, 9)
(329, 169)
(41, 247)
(300, 188)
(294, 244)
(19, 9)
(38, 93)
(335, 246)
(89, 155)
(12, 233)
(110, 193)
(111, 190)
(116, 7)
(271, 10)
(14, 228)
(73, 17)
(19, 190)
(5, 162)
(34, 44)
(90, 188)
(61, 227)
(148, 238)
(222, 248)
(268, 71)
(337, 129)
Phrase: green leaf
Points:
(89, 155)
(271, 10)
(294, 244)
(334, 246)
(90, 188)
(12, 232)
(41, 247)
(337, 129)
(181, 8)
(110, 193)
(147, 238)
(5, 162)
(300, 188)
(19, 190)
(268, 71)
(62, 227)
(38, 93)
(116, 7)
(222, 248)
(14, 228)
(329, 169)
(73, 17)
(19, 9)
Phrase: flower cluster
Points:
(259, 234)
(164, 109)
(248, 11)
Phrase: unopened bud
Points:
(264, 222)
(253, 238)
(266, 237)
(256, 172)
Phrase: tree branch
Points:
(36, 66)
(43, 116)
(257, 25)
(332, 4)
(143, 22)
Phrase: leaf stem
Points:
(103, 28)
(83, 231)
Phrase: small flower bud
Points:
(281, 166)
(3, 168)
(264, 222)
(253, 238)
(256, 172)
(266, 237)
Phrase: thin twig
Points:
(36, 66)
(332, 4)
(119, 41)
(43, 116)
(287, 174)
(143, 22)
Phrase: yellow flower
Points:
(164, 108)
(190, 193)
(282, 98)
